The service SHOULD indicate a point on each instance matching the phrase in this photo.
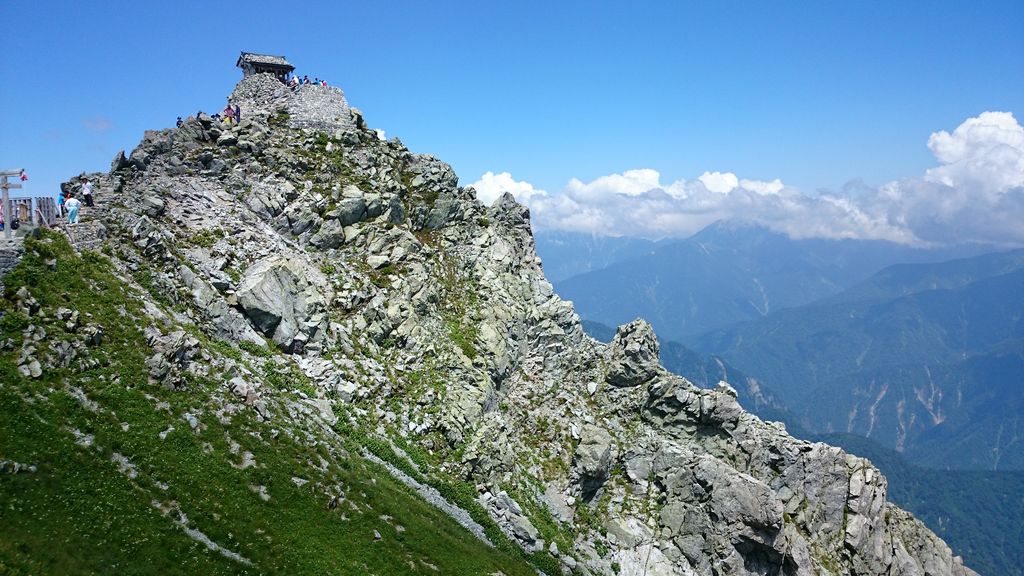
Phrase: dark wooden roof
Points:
(264, 60)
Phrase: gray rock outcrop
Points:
(283, 303)
(422, 318)
(593, 459)
(633, 354)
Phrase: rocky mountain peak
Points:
(354, 291)
(633, 354)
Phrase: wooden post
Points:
(7, 199)
(6, 206)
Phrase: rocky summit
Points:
(262, 316)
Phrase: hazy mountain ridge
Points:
(914, 371)
(568, 254)
(732, 272)
(909, 278)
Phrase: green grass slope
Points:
(124, 483)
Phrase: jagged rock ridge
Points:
(423, 319)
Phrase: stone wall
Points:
(11, 251)
(321, 108)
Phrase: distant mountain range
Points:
(925, 358)
(568, 254)
(919, 351)
(728, 273)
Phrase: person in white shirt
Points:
(87, 192)
(71, 205)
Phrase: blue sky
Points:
(812, 93)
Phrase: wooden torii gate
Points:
(5, 186)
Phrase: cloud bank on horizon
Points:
(975, 194)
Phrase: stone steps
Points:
(85, 235)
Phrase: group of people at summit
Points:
(293, 80)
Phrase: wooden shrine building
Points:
(251, 63)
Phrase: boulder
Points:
(282, 302)
(593, 458)
(119, 162)
(510, 213)
(349, 211)
(395, 212)
(330, 235)
(633, 354)
(152, 205)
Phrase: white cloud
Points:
(773, 187)
(637, 203)
(976, 194)
(491, 186)
(723, 183)
(985, 153)
(629, 183)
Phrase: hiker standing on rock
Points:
(229, 114)
(87, 192)
(72, 204)
(238, 113)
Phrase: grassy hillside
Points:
(120, 476)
